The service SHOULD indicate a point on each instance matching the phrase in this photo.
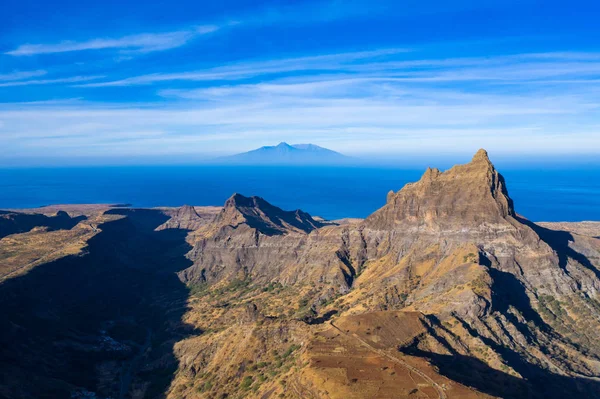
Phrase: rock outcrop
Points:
(185, 218)
(465, 196)
(252, 239)
(265, 218)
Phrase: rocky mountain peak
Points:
(431, 174)
(481, 155)
(465, 195)
(187, 210)
(184, 217)
(268, 219)
(238, 200)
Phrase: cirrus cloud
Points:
(138, 43)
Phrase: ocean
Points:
(540, 194)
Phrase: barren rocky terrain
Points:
(444, 292)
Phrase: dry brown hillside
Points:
(444, 292)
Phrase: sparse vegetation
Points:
(480, 285)
(246, 382)
(470, 258)
(290, 350)
(198, 289)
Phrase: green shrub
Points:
(246, 382)
(198, 289)
(290, 350)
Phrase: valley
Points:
(444, 292)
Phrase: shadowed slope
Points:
(15, 222)
(559, 240)
(76, 324)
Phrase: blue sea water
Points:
(540, 194)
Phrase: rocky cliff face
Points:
(467, 196)
(252, 240)
(265, 218)
(493, 286)
(187, 218)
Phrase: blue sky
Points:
(173, 82)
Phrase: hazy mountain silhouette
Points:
(284, 153)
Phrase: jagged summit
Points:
(430, 174)
(188, 212)
(465, 195)
(481, 155)
(240, 201)
(184, 217)
(264, 217)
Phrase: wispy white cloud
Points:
(32, 82)
(328, 62)
(149, 42)
(435, 118)
(363, 102)
(388, 64)
(290, 14)
(62, 101)
(19, 75)
(139, 43)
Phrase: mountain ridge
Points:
(264, 217)
(450, 247)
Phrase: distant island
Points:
(287, 154)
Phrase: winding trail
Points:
(438, 388)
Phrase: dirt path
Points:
(438, 388)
